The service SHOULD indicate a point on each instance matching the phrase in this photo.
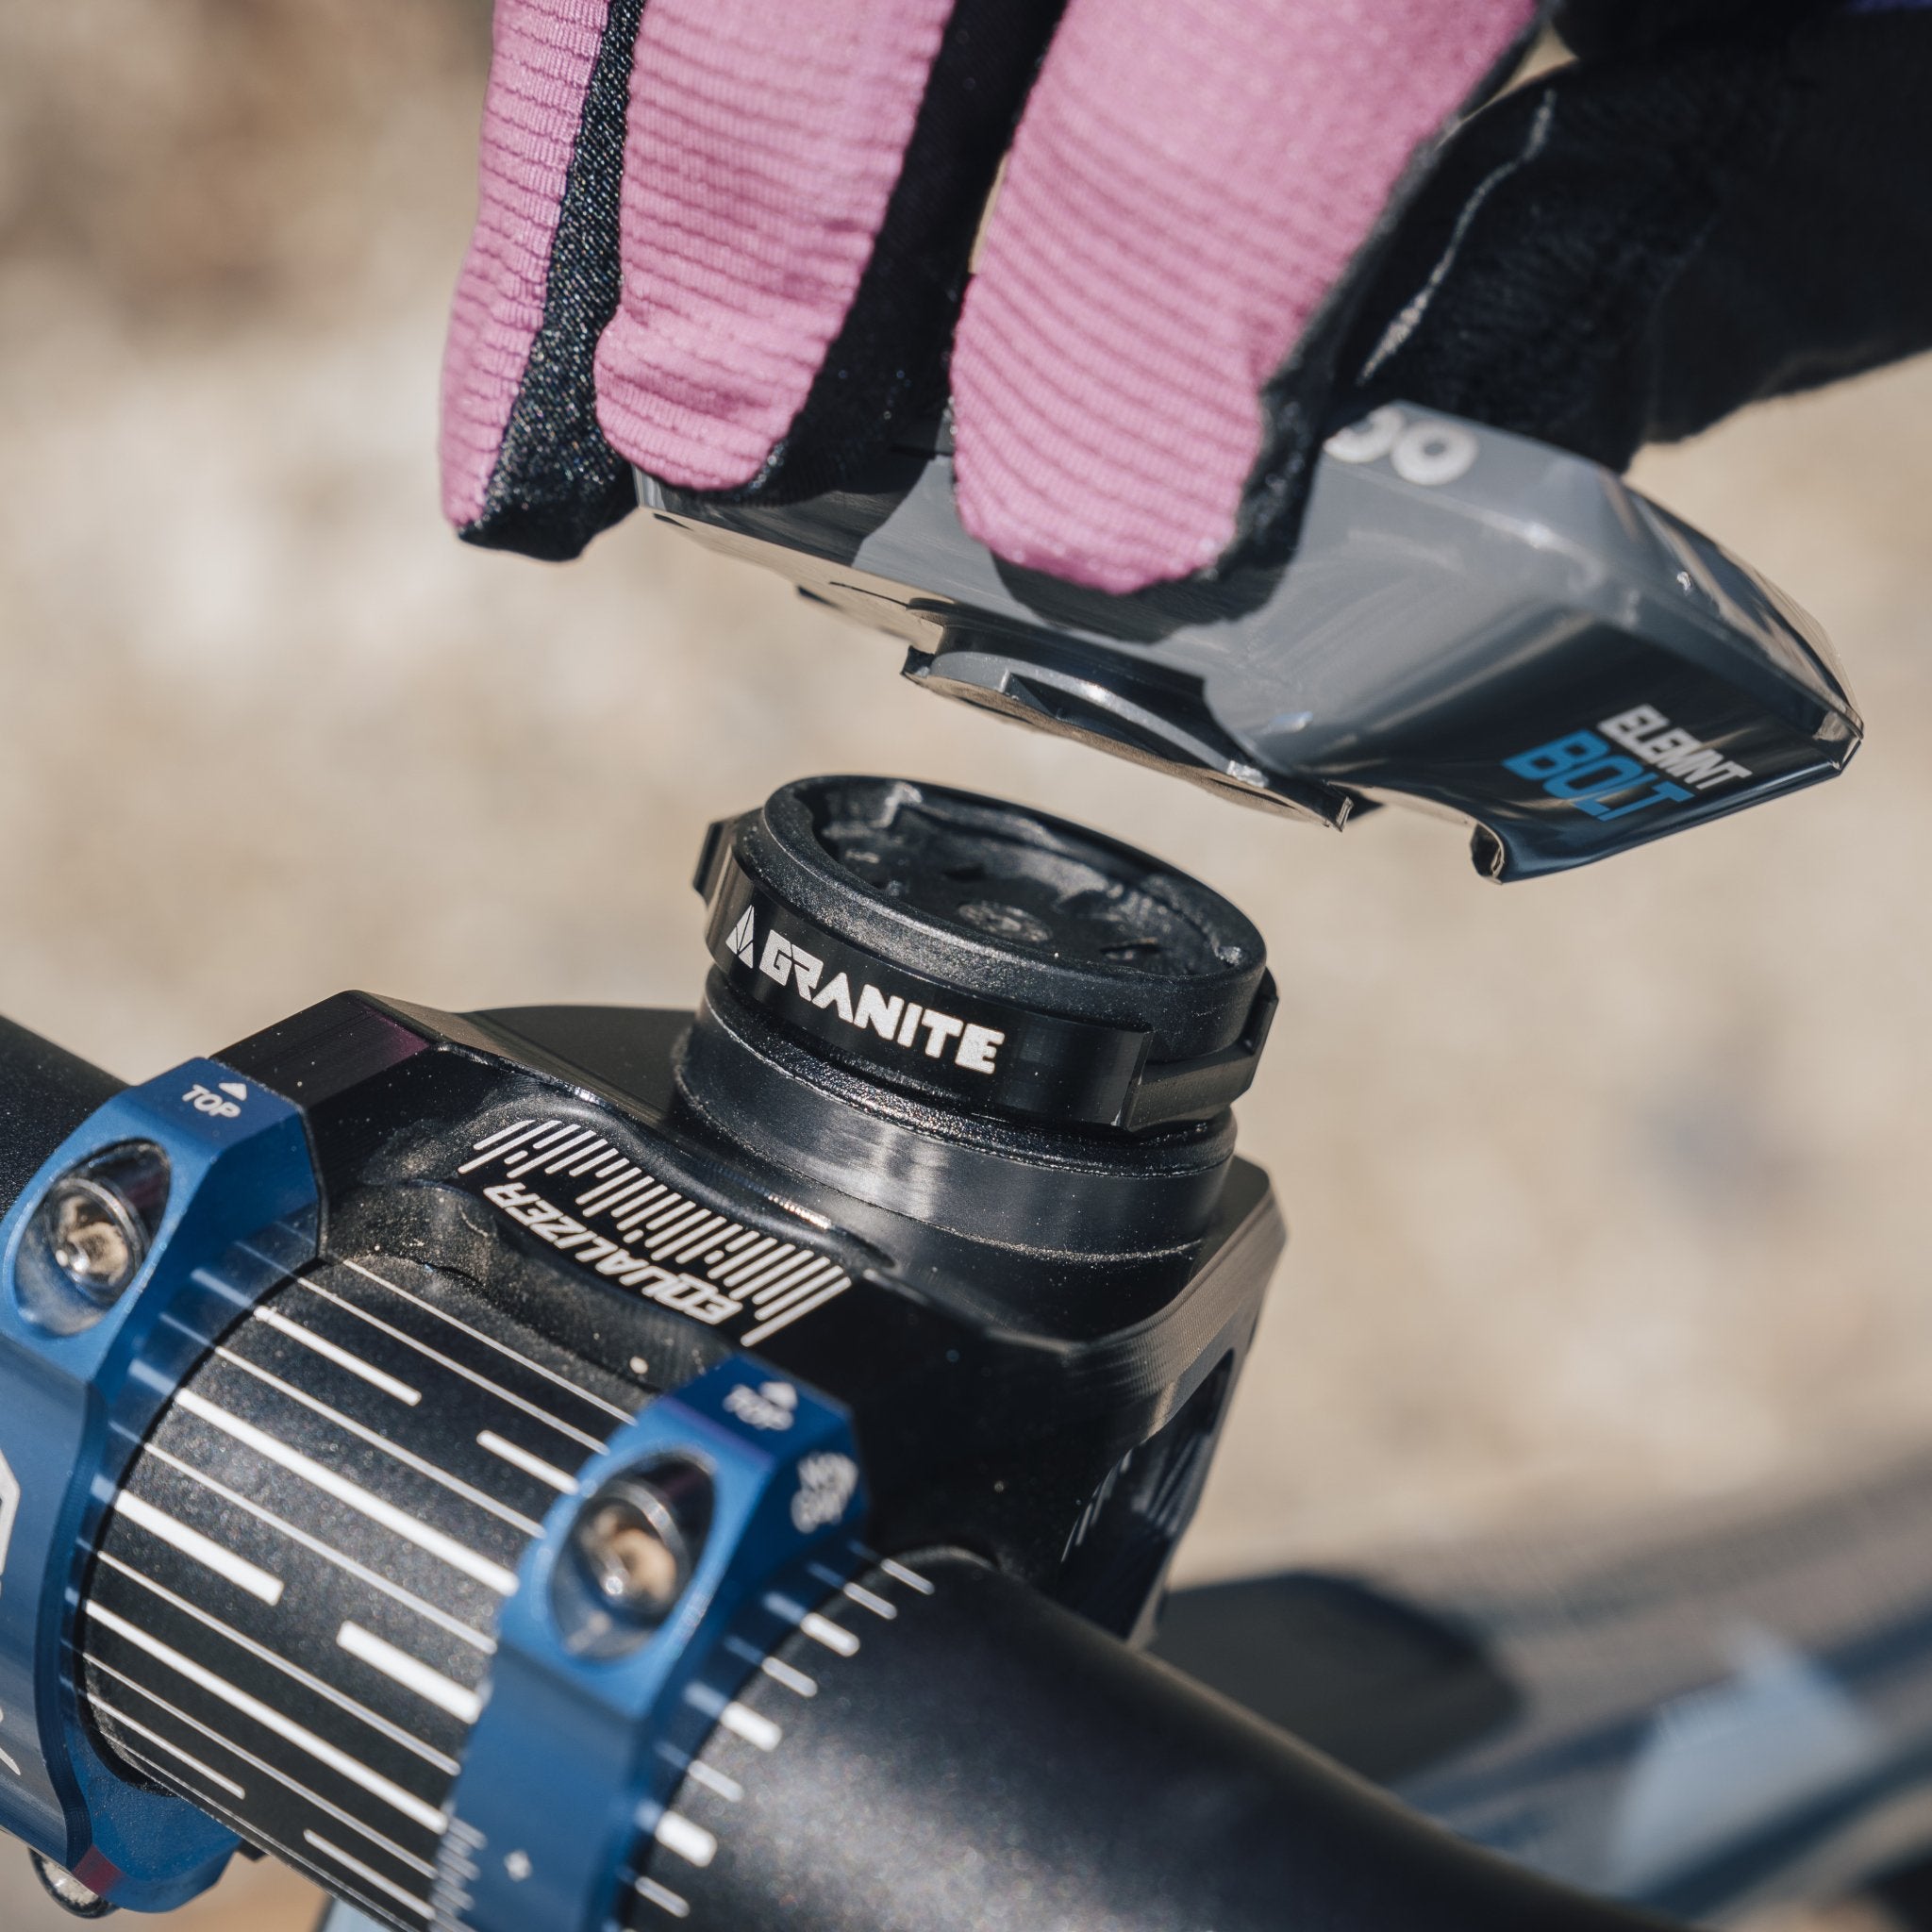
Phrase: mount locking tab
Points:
(1471, 623)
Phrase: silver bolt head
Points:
(68, 1892)
(97, 1243)
(90, 1236)
(636, 1553)
(633, 1549)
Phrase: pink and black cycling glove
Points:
(727, 241)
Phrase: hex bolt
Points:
(636, 1543)
(636, 1554)
(95, 1240)
(636, 1550)
(90, 1234)
(68, 1892)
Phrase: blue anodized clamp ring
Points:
(79, 1390)
(572, 1762)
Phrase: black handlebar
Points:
(45, 1092)
(985, 1760)
(941, 1749)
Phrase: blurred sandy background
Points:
(1605, 1191)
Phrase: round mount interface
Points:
(1003, 959)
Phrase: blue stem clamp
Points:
(569, 1766)
(75, 1400)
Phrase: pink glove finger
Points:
(540, 74)
(1191, 180)
(766, 138)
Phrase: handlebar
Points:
(45, 1092)
(936, 1746)
(958, 1751)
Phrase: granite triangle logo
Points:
(741, 936)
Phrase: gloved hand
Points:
(727, 239)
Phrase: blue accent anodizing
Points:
(570, 1763)
(242, 1210)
